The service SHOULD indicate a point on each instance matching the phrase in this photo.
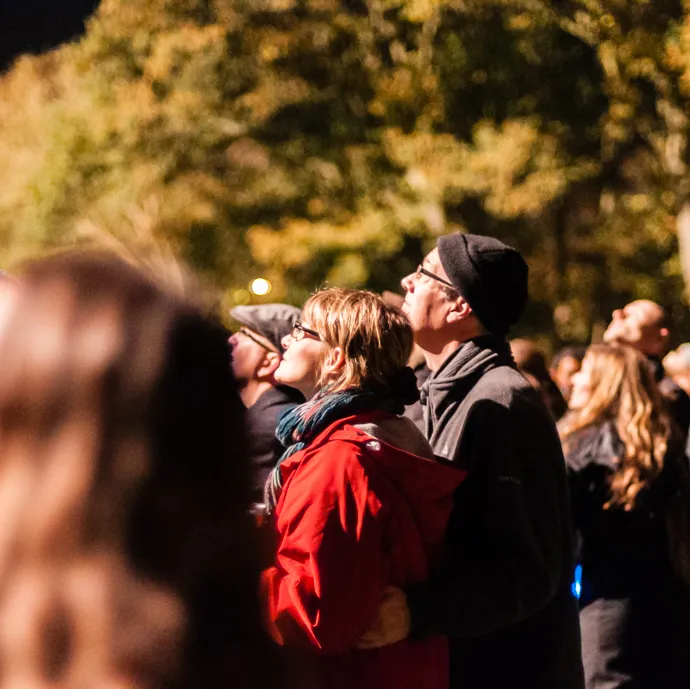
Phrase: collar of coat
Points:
(596, 444)
(466, 365)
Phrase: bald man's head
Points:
(642, 324)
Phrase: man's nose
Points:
(618, 313)
(285, 342)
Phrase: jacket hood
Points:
(597, 444)
(461, 371)
(426, 485)
(400, 432)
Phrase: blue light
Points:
(576, 586)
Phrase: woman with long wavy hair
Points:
(127, 555)
(624, 459)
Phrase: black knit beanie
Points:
(491, 276)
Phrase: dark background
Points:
(37, 25)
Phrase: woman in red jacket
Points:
(358, 502)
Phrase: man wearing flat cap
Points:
(256, 352)
(501, 592)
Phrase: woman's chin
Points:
(281, 374)
(306, 387)
(288, 381)
(282, 380)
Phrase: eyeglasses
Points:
(423, 271)
(299, 331)
(248, 333)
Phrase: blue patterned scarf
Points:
(297, 427)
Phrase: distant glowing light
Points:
(260, 287)
(576, 586)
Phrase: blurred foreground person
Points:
(624, 460)
(677, 365)
(532, 364)
(564, 365)
(359, 503)
(127, 558)
(644, 325)
(256, 352)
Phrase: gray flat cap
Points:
(272, 321)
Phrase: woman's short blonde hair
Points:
(376, 338)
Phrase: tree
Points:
(331, 141)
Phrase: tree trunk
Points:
(683, 228)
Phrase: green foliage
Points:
(314, 141)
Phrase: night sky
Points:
(38, 25)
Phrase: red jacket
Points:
(356, 515)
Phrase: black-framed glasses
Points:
(299, 331)
(248, 333)
(421, 270)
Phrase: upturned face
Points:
(638, 324)
(302, 360)
(427, 302)
(247, 353)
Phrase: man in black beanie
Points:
(501, 592)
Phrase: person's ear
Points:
(458, 311)
(333, 363)
(268, 366)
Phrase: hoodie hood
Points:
(400, 432)
(426, 485)
(460, 372)
(469, 361)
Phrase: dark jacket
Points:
(261, 421)
(502, 593)
(633, 632)
(356, 515)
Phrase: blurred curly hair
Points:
(127, 555)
